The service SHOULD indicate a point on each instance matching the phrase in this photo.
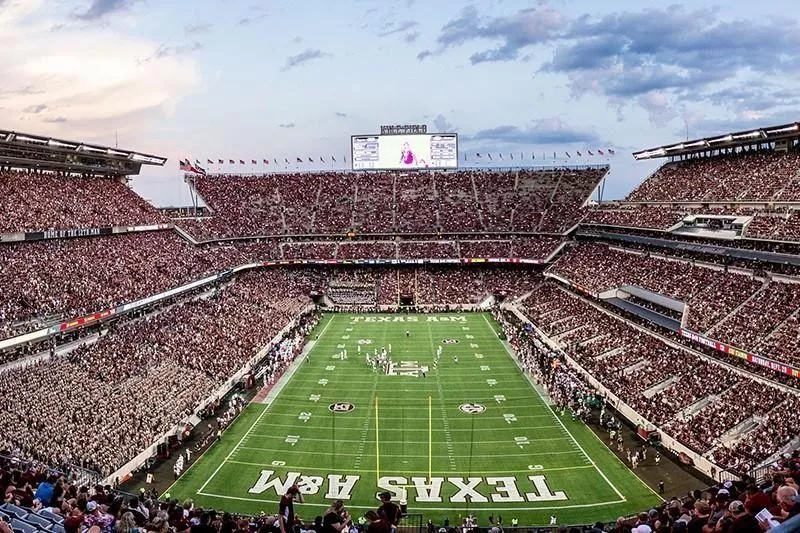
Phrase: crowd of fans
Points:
(431, 285)
(634, 216)
(48, 500)
(138, 373)
(694, 400)
(84, 275)
(775, 226)
(537, 248)
(40, 201)
(748, 313)
(390, 202)
(740, 176)
(782, 225)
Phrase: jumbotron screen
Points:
(393, 152)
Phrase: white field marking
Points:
(362, 442)
(504, 441)
(445, 422)
(571, 436)
(626, 466)
(406, 472)
(536, 428)
(489, 406)
(258, 419)
(405, 456)
(422, 505)
(219, 467)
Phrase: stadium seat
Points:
(51, 516)
(12, 509)
(39, 521)
(23, 527)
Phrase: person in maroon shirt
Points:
(286, 516)
(755, 500)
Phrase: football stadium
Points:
(419, 333)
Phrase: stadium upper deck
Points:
(745, 181)
(498, 201)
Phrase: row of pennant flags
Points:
(186, 165)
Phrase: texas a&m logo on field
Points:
(341, 407)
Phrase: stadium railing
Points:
(74, 473)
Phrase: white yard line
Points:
(316, 427)
(547, 405)
(400, 456)
(426, 508)
(448, 437)
(425, 442)
(626, 466)
(294, 416)
(219, 467)
(277, 389)
(402, 470)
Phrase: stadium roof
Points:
(26, 150)
(730, 140)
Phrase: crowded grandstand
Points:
(679, 306)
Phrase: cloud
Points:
(707, 127)
(164, 50)
(393, 28)
(443, 125)
(302, 58)
(197, 29)
(341, 115)
(524, 28)
(88, 73)
(101, 8)
(251, 20)
(755, 96)
(26, 90)
(411, 37)
(35, 109)
(545, 131)
(287, 125)
(672, 54)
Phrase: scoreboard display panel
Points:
(398, 152)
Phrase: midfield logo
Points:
(472, 408)
(407, 368)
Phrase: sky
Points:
(246, 79)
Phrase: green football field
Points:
(472, 436)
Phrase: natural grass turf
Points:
(488, 446)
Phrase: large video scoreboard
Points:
(411, 151)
